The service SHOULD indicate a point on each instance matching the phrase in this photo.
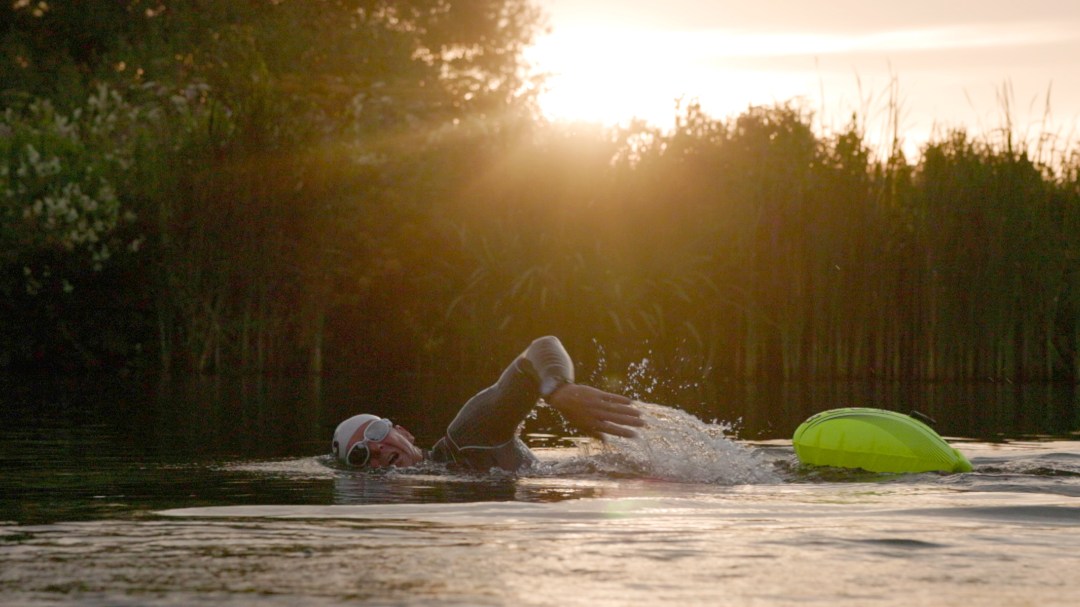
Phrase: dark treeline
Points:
(361, 186)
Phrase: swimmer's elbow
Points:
(547, 341)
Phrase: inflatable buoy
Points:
(876, 440)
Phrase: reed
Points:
(765, 250)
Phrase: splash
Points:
(676, 446)
(649, 379)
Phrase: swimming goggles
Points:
(375, 432)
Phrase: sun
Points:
(606, 76)
(612, 75)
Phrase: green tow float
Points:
(876, 440)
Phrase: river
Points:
(183, 495)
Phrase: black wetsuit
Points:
(484, 434)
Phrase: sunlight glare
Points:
(612, 74)
(593, 75)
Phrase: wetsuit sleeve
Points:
(548, 363)
(490, 420)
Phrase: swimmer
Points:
(485, 432)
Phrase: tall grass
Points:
(757, 248)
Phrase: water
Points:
(165, 506)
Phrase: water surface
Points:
(163, 506)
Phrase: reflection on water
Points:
(222, 491)
(854, 544)
(279, 417)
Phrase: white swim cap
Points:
(345, 433)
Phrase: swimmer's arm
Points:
(589, 409)
(494, 415)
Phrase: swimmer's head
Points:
(369, 441)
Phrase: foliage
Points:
(58, 186)
(360, 186)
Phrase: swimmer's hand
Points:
(595, 411)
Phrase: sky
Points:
(943, 63)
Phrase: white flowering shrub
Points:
(58, 180)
